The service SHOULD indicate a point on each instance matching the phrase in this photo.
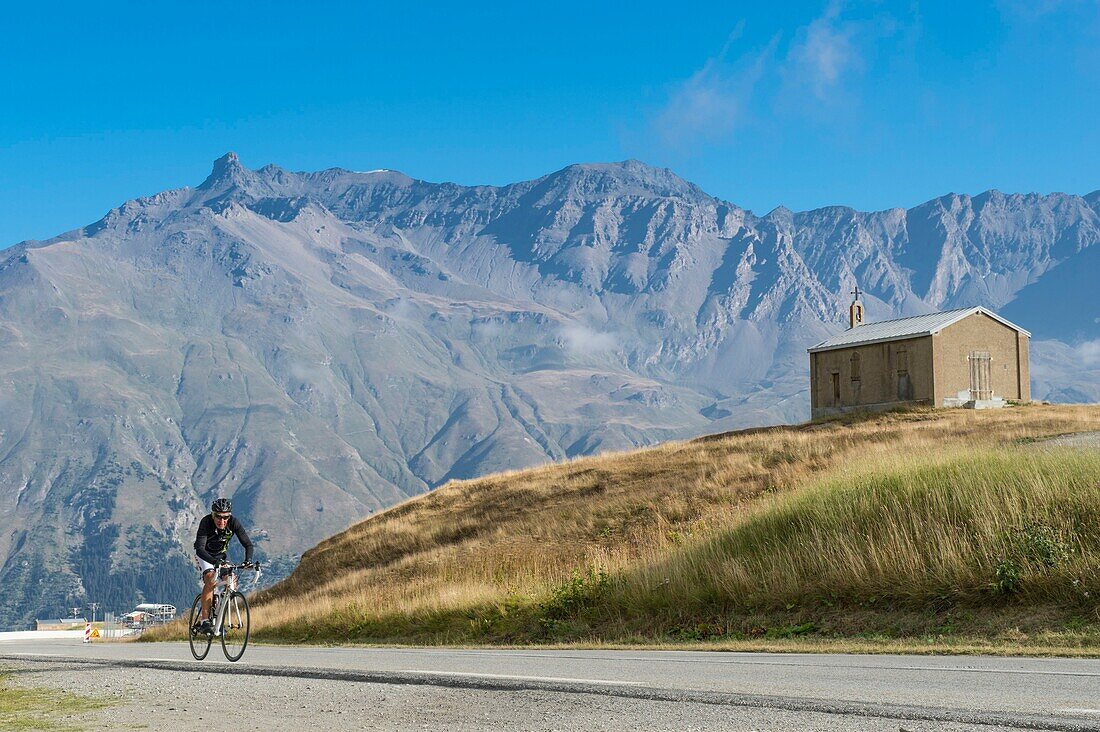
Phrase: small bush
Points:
(1007, 577)
(1043, 545)
(579, 592)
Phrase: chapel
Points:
(969, 357)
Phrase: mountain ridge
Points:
(229, 167)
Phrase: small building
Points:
(60, 624)
(967, 357)
(153, 613)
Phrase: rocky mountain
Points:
(322, 345)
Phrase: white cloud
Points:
(1088, 353)
(823, 53)
(818, 62)
(713, 102)
(584, 341)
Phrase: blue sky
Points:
(873, 104)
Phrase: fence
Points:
(114, 627)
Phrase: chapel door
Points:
(981, 376)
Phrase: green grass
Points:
(970, 550)
(40, 709)
(971, 544)
(966, 529)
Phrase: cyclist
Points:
(211, 549)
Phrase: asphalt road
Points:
(1008, 692)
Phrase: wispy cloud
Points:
(823, 53)
(817, 61)
(711, 103)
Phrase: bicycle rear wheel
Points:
(235, 626)
(199, 642)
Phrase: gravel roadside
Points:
(1081, 439)
(169, 700)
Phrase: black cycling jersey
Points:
(212, 545)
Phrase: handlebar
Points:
(224, 570)
(245, 565)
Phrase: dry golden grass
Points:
(963, 527)
(509, 540)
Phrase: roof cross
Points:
(856, 292)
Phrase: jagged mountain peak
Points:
(780, 215)
(829, 213)
(230, 180)
(627, 177)
(226, 170)
(228, 161)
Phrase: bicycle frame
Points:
(226, 587)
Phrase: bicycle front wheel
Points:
(200, 642)
(235, 626)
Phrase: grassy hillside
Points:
(935, 528)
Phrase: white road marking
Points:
(743, 660)
(524, 678)
(1074, 710)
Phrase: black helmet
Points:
(222, 505)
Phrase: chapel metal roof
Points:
(912, 327)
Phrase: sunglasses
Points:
(222, 516)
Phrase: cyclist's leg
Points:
(207, 586)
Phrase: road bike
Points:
(228, 614)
